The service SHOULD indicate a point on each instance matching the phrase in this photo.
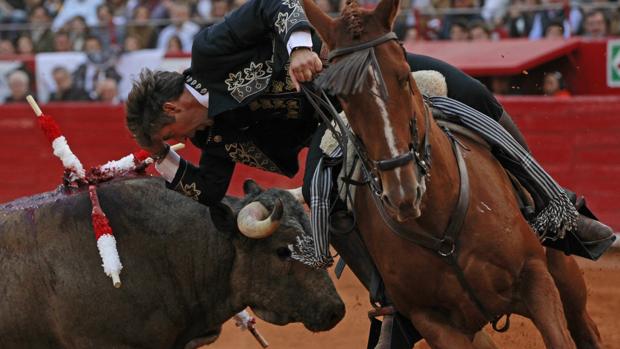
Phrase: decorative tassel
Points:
(106, 243)
(59, 143)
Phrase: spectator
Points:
(78, 32)
(501, 85)
(19, 87)
(41, 34)
(99, 65)
(107, 91)
(596, 24)
(24, 45)
(520, 20)
(219, 9)
(87, 9)
(458, 31)
(140, 27)
(411, 36)
(105, 29)
(554, 85)
(569, 19)
(181, 26)
(479, 31)
(174, 46)
(554, 30)
(65, 90)
(7, 47)
(131, 44)
(62, 42)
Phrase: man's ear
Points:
(170, 108)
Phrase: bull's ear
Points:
(223, 218)
(250, 187)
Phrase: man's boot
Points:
(595, 236)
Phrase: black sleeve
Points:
(461, 86)
(251, 23)
(208, 183)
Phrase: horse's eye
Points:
(284, 253)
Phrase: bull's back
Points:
(51, 280)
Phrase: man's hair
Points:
(145, 104)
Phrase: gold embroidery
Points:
(190, 190)
(248, 154)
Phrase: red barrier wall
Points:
(575, 139)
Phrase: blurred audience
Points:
(554, 30)
(479, 31)
(554, 85)
(7, 47)
(41, 34)
(174, 47)
(459, 31)
(24, 45)
(140, 27)
(181, 26)
(99, 65)
(19, 87)
(65, 90)
(62, 42)
(107, 91)
(596, 24)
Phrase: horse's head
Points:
(370, 75)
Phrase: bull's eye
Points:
(283, 253)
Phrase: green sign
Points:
(613, 63)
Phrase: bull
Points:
(187, 269)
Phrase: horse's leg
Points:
(438, 333)
(541, 300)
(573, 292)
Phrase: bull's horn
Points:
(254, 221)
(297, 194)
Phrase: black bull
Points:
(186, 270)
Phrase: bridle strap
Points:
(368, 44)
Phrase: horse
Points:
(448, 283)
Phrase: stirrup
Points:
(572, 245)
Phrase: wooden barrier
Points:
(576, 139)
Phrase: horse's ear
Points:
(319, 20)
(386, 11)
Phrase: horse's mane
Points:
(352, 15)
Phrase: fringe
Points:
(305, 252)
(558, 217)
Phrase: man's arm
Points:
(206, 184)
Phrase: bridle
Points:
(419, 149)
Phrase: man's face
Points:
(190, 116)
(550, 85)
(595, 25)
(63, 79)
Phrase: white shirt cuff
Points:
(169, 166)
(301, 38)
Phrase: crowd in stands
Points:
(105, 29)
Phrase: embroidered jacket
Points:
(259, 118)
(235, 60)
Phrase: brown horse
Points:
(502, 264)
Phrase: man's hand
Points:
(305, 64)
(158, 148)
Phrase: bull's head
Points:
(279, 289)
